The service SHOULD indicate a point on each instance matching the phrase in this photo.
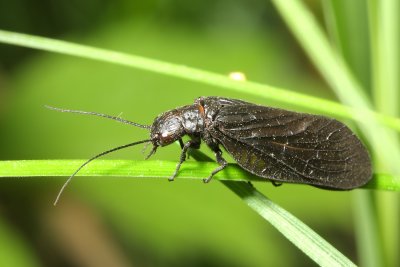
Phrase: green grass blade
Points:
(150, 169)
(292, 228)
(332, 67)
(348, 22)
(253, 88)
(119, 168)
(310, 35)
(385, 39)
(369, 245)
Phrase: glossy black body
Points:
(271, 143)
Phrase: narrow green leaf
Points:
(150, 169)
(292, 228)
(263, 91)
(336, 72)
(366, 228)
(385, 40)
(119, 168)
(349, 22)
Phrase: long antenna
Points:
(93, 158)
(100, 115)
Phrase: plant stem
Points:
(252, 88)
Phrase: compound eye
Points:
(166, 138)
(165, 134)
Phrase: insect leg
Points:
(221, 161)
(181, 143)
(276, 184)
(194, 143)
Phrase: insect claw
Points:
(207, 180)
(276, 184)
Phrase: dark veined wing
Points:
(292, 147)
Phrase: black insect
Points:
(280, 145)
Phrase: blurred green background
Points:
(144, 222)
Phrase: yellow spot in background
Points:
(237, 76)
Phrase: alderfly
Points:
(272, 143)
